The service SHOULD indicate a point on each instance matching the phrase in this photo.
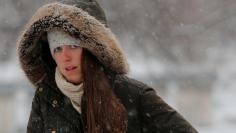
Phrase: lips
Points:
(70, 68)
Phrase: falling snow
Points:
(183, 49)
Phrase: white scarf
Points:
(73, 92)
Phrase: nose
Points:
(66, 54)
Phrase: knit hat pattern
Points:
(58, 38)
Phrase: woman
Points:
(78, 68)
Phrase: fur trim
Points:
(95, 37)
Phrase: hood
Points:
(33, 49)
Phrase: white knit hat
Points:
(58, 38)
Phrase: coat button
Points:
(54, 103)
(40, 89)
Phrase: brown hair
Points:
(103, 112)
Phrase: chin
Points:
(74, 80)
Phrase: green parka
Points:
(52, 111)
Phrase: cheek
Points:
(58, 61)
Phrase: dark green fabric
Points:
(146, 111)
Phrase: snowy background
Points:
(186, 49)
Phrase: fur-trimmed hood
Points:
(33, 49)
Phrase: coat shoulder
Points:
(128, 88)
(125, 81)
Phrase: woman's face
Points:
(68, 59)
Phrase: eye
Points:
(74, 46)
(57, 49)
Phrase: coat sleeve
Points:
(35, 123)
(157, 116)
